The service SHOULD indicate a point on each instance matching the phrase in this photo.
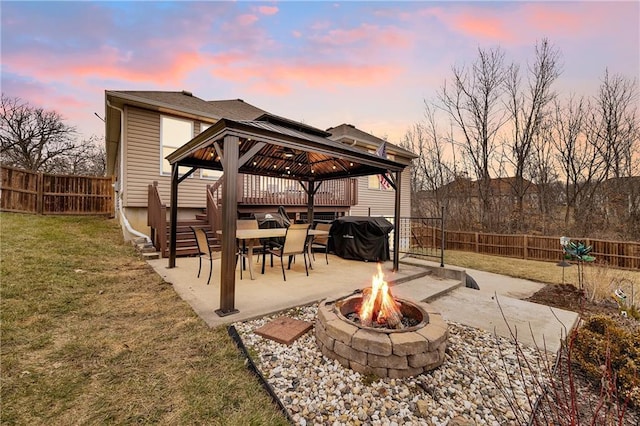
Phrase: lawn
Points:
(598, 277)
(91, 334)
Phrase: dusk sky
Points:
(370, 64)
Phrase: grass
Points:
(91, 334)
(596, 274)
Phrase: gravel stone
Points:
(478, 380)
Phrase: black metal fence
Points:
(421, 236)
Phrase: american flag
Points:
(382, 152)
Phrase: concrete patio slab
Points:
(491, 308)
(269, 293)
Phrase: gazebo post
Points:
(229, 216)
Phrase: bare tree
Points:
(527, 108)
(89, 158)
(568, 123)
(431, 170)
(544, 174)
(614, 123)
(32, 138)
(38, 140)
(473, 103)
(613, 129)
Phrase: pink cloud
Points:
(482, 27)
(105, 63)
(246, 19)
(268, 10)
(370, 35)
(268, 77)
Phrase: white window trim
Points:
(162, 145)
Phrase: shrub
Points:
(604, 344)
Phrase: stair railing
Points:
(214, 212)
(157, 219)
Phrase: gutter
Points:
(123, 218)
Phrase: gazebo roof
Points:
(276, 146)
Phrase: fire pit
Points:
(375, 333)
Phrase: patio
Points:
(419, 280)
(268, 293)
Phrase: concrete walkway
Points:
(496, 307)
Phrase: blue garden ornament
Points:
(581, 252)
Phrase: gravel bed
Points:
(484, 380)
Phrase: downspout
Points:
(123, 219)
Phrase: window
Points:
(206, 173)
(174, 132)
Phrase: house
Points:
(375, 196)
(142, 128)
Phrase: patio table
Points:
(250, 236)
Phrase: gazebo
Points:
(270, 146)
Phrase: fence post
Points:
(442, 238)
(525, 245)
(40, 193)
(477, 243)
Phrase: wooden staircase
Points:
(185, 240)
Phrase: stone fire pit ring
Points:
(382, 352)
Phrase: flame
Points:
(378, 305)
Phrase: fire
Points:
(378, 305)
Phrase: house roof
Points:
(272, 147)
(349, 133)
(184, 103)
(181, 103)
(235, 109)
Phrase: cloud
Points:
(246, 20)
(278, 78)
(268, 10)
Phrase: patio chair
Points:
(243, 251)
(204, 249)
(321, 241)
(294, 243)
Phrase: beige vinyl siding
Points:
(382, 202)
(142, 163)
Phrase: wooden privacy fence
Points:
(44, 193)
(619, 254)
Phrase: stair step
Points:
(151, 256)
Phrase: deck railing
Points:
(157, 219)
(214, 211)
(264, 190)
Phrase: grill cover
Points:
(361, 238)
(272, 220)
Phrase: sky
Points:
(370, 64)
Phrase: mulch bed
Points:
(586, 393)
